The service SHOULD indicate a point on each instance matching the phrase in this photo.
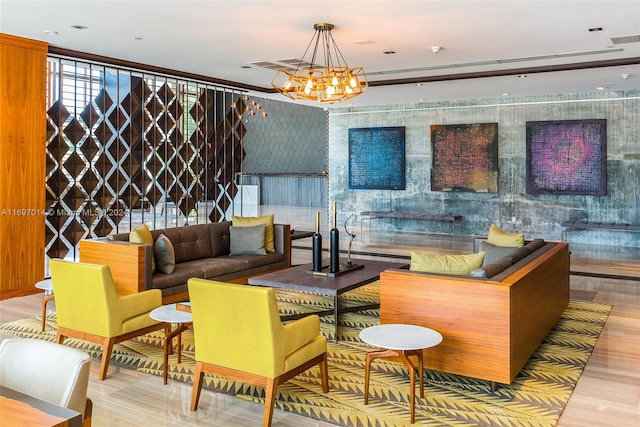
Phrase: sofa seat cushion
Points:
(457, 265)
(258, 261)
(219, 266)
(181, 273)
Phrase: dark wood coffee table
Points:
(297, 278)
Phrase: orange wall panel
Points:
(22, 163)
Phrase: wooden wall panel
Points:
(22, 163)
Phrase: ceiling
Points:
(484, 45)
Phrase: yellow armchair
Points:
(238, 334)
(89, 308)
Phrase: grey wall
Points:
(292, 139)
(536, 215)
(286, 154)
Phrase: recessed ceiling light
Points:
(51, 32)
(245, 66)
(137, 38)
(79, 27)
(418, 84)
(594, 29)
(602, 87)
(522, 76)
(505, 94)
(389, 52)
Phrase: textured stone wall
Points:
(511, 208)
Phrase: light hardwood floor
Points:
(607, 394)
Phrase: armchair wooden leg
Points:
(107, 348)
(45, 300)
(271, 390)
(197, 386)
(59, 338)
(324, 374)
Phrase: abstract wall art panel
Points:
(465, 158)
(376, 158)
(567, 157)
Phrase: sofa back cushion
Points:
(498, 266)
(493, 252)
(247, 240)
(457, 265)
(142, 234)
(267, 220)
(498, 237)
(190, 242)
(219, 235)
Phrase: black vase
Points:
(317, 252)
(334, 251)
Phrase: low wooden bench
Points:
(453, 219)
(595, 225)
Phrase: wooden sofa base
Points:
(490, 329)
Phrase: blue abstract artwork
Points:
(377, 158)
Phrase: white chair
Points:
(48, 371)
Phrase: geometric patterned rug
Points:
(537, 396)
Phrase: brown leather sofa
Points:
(491, 326)
(201, 250)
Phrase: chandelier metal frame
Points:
(333, 82)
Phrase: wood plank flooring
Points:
(607, 394)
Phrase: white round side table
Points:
(182, 318)
(47, 286)
(400, 341)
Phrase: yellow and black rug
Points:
(537, 397)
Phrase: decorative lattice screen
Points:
(124, 146)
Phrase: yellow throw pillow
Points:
(458, 265)
(142, 234)
(267, 220)
(497, 237)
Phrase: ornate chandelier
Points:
(332, 82)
